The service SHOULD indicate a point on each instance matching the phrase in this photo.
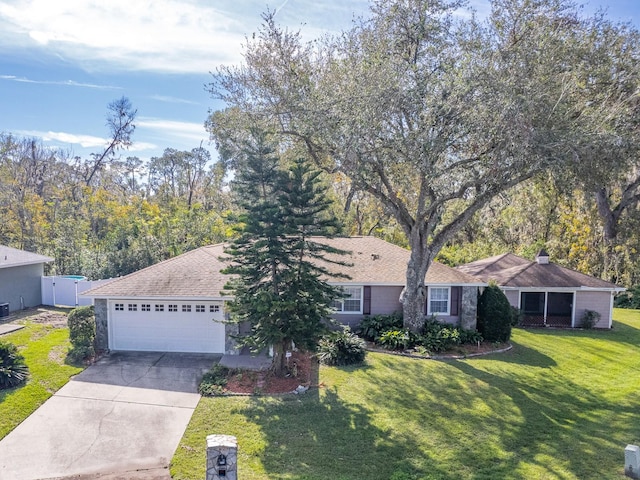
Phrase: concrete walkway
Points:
(123, 416)
(247, 362)
(9, 327)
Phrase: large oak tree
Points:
(430, 114)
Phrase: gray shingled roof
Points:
(12, 257)
(197, 273)
(509, 270)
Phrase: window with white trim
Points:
(214, 308)
(439, 300)
(132, 307)
(186, 308)
(173, 308)
(200, 308)
(145, 307)
(119, 307)
(351, 302)
(159, 307)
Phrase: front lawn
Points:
(560, 405)
(44, 347)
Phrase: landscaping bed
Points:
(247, 382)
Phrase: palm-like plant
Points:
(13, 370)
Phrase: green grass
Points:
(44, 348)
(560, 405)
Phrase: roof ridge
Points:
(521, 271)
(497, 259)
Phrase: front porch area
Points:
(547, 309)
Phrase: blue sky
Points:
(63, 61)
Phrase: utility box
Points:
(632, 461)
(4, 310)
(222, 457)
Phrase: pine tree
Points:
(279, 284)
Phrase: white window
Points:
(159, 307)
(133, 307)
(173, 308)
(145, 307)
(351, 302)
(439, 300)
(214, 308)
(199, 308)
(119, 307)
(186, 308)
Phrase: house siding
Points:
(597, 301)
(21, 287)
(384, 301)
(513, 296)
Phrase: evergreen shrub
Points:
(628, 299)
(494, 315)
(589, 319)
(82, 333)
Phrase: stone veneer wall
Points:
(230, 345)
(102, 331)
(469, 308)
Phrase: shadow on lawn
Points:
(521, 355)
(562, 426)
(481, 425)
(335, 440)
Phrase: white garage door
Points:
(154, 326)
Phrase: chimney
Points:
(542, 257)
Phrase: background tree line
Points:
(107, 216)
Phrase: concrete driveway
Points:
(126, 413)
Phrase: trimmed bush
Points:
(13, 370)
(341, 348)
(371, 328)
(214, 381)
(82, 333)
(589, 319)
(494, 315)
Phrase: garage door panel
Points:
(200, 332)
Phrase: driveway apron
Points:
(125, 413)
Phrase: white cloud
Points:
(166, 129)
(164, 35)
(185, 36)
(69, 83)
(84, 141)
(168, 99)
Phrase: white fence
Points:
(66, 290)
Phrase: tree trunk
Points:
(414, 298)
(279, 365)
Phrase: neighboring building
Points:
(546, 293)
(178, 305)
(20, 274)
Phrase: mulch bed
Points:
(255, 383)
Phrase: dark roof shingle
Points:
(197, 273)
(509, 270)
